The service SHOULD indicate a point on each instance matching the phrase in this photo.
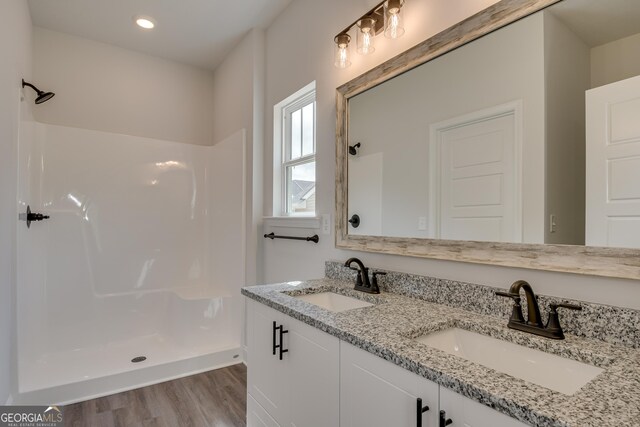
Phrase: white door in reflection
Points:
(476, 174)
(613, 165)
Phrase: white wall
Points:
(102, 87)
(567, 78)
(238, 100)
(300, 50)
(615, 61)
(15, 50)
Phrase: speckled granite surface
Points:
(386, 329)
(615, 325)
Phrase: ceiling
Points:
(195, 32)
(598, 22)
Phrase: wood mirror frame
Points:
(598, 261)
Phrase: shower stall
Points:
(135, 276)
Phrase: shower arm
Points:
(38, 91)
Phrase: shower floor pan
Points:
(75, 375)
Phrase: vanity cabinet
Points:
(293, 371)
(377, 393)
(374, 392)
(300, 376)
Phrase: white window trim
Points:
(299, 98)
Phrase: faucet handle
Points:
(553, 324)
(554, 306)
(375, 276)
(516, 312)
(515, 297)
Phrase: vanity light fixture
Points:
(393, 23)
(385, 17)
(341, 56)
(366, 33)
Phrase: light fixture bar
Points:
(377, 13)
(385, 17)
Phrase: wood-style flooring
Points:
(215, 398)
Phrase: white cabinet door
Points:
(313, 370)
(377, 393)
(265, 371)
(465, 412)
(613, 165)
(257, 416)
(301, 389)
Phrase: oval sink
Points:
(557, 373)
(333, 302)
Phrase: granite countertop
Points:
(387, 329)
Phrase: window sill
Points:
(310, 222)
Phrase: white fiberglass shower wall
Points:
(143, 255)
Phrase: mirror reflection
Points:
(527, 135)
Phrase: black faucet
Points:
(534, 325)
(362, 280)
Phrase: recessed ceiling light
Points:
(144, 22)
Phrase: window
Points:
(295, 161)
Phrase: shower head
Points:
(353, 149)
(42, 96)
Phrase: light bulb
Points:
(366, 34)
(393, 27)
(366, 43)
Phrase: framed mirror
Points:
(510, 139)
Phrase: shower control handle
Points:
(37, 217)
(31, 216)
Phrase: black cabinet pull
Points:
(444, 421)
(419, 411)
(276, 346)
(274, 338)
(281, 345)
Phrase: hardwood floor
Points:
(215, 398)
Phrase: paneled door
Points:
(464, 412)
(377, 393)
(613, 165)
(476, 173)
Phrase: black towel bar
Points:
(314, 238)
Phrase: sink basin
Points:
(334, 302)
(557, 373)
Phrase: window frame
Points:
(283, 146)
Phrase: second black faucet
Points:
(362, 279)
(534, 324)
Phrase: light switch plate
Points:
(326, 224)
(422, 223)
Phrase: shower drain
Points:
(139, 359)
